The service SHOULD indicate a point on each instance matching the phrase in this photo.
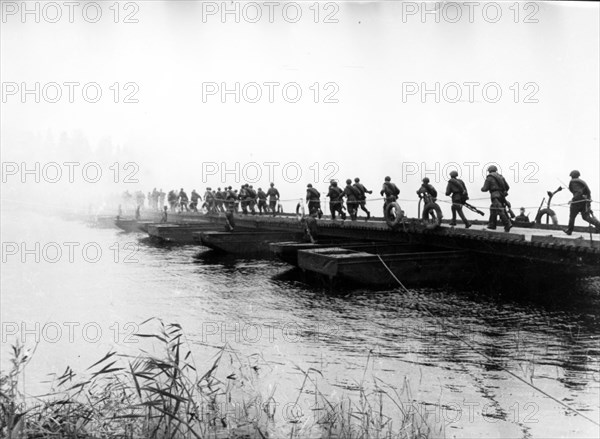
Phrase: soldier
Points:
(219, 199)
(428, 193)
(362, 199)
(458, 191)
(230, 199)
(163, 218)
(236, 200)
(273, 195)
(352, 194)
(183, 201)
(262, 201)
(581, 203)
(313, 198)
(335, 200)
(427, 189)
(154, 199)
(161, 198)
(522, 218)
(172, 199)
(251, 197)
(391, 192)
(243, 196)
(209, 200)
(498, 188)
(195, 197)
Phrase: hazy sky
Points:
(374, 52)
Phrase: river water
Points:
(78, 306)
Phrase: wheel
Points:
(546, 212)
(432, 216)
(393, 215)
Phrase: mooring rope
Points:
(491, 360)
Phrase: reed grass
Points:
(164, 395)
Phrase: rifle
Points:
(473, 209)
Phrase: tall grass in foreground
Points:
(165, 396)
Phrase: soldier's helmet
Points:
(251, 187)
(309, 185)
(425, 180)
(218, 188)
(388, 179)
(272, 184)
(260, 189)
(575, 174)
(492, 168)
(334, 183)
(356, 180)
(348, 181)
(454, 174)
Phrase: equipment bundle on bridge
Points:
(375, 253)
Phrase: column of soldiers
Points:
(252, 201)
(215, 201)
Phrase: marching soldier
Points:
(262, 201)
(362, 199)
(352, 194)
(195, 197)
(335, 200)
(498, 188)
(390, 191)
(581, 203)
(183, 201)
(273, 195)
(313, 198)
(458, 191)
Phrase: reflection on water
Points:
(264, 306)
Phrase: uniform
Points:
(262, 201)
(390, 191)
(335, 201)
(457, 190)
(352, 195)
(313, 198)
(497, 186)
(362, 199)
(273, 195)
(581, 203)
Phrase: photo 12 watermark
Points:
(71, 252)
(270, 12)
(254, 172)
(470, 92)
(470, 172)
(270, 92)
(69, 172)
(220, 332)
(70, 12)
(70, 92)
(68, 332)
(470, 12)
